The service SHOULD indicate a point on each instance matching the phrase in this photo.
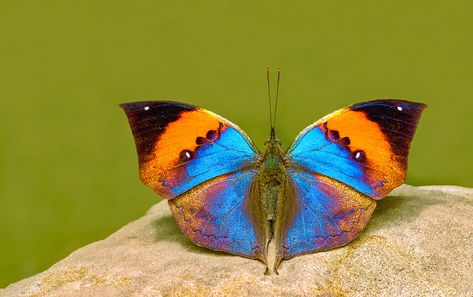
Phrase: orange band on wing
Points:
(182, 134)
(180, 146)
(179, 136)
(366, 137)
(364, 134)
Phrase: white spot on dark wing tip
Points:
(146, 107)
(399, 108)
(358, 155)
(188, 155)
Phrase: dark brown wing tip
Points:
(397, 119)
(140, 105)
(389, 103)
(148, 119)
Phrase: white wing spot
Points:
(188, 155)
(358, 154)
(399, 108)
(146, 107)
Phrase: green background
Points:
(68, 173)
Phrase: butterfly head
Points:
(273, 155)
(272, 152)
(272, 140)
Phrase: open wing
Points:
(217, 215)
(327, 214)
(180, 146)
(364, 146)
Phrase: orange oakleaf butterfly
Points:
(319, 194)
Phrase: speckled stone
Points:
(418, 243)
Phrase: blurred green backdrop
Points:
(68, 173)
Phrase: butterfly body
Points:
(272, 176)
(271, 195)
(317, 195)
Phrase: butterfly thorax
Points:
(272, 176)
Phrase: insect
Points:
(228, 196)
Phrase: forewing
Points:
(216, 215)
(327, 214)
(364, 146)
(180, 146)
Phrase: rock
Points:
(419, 242)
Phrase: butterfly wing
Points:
(364, 146)
(202, 163)
(217, 214)
(327, 214)
(180, 146)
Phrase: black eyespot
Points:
(344, 141)
(359, 155)
(334, 134)
(201, 140)
(185, 155)
(211, 135)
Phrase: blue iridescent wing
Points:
(364, 146)
(217, 215)
(180, 146)
(327, 214)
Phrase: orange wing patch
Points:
(180, 146)
(369, 145)
(176, 136)
(179, 137)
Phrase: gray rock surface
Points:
(418, 243)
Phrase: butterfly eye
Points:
(359, 155)
(185, 155)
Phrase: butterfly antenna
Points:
(269, 100)
(277, 95)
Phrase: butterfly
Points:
(317, 195)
